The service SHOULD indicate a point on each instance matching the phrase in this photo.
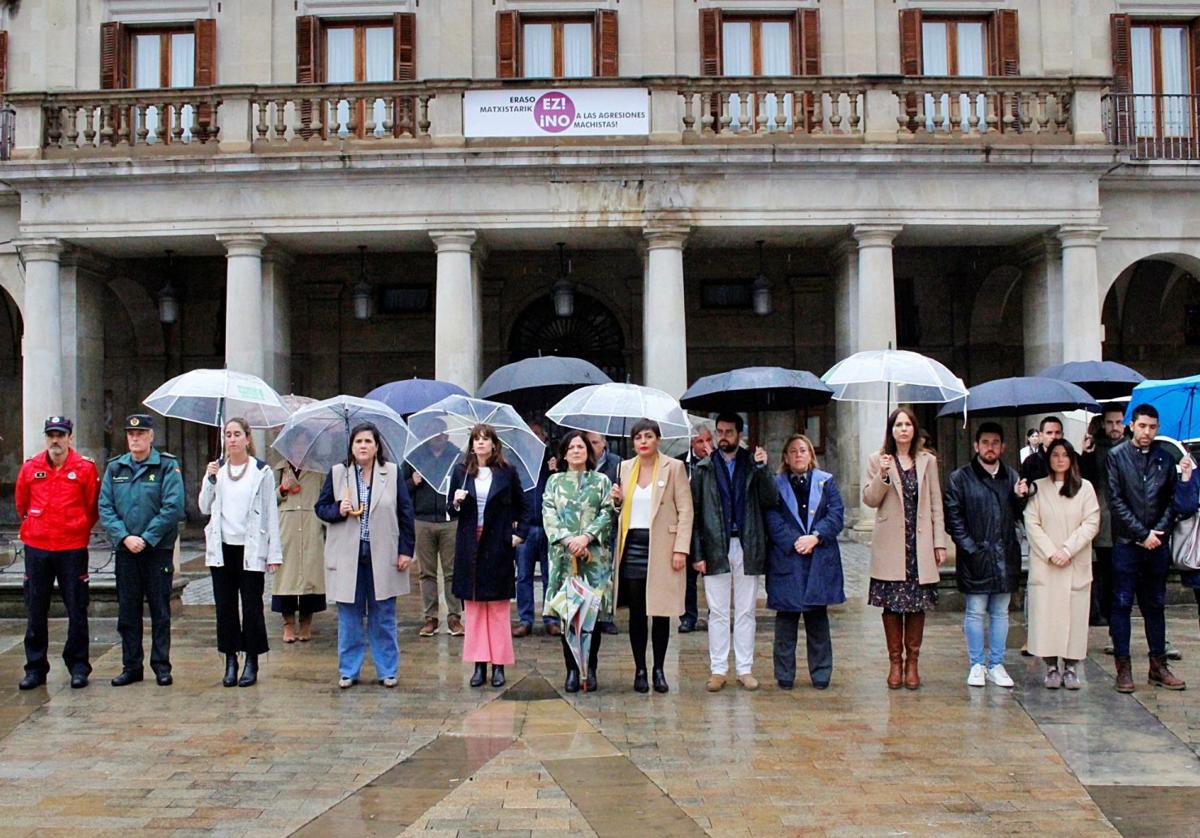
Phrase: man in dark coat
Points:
(1035, 466)
(534, 551)
(731, 491)
(1093, 466)
(689, 621)
(983, 502)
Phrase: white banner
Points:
(585, 112)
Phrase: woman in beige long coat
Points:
(908, 544)
(655, 536)
(300, 584)
(1061, 519)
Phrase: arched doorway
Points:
(11, 415)
(1151, 318)
(592, 333)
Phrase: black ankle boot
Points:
(591, 684)
(660, 682)
(639, 681)
(572, 684)
(230, 679)
(249, 671)
(497, 675)
(480, 675)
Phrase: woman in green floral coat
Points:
(578, 516)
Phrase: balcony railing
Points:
(346, 117)
(1152, 126)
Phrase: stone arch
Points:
(12, 328)
(12, 280)
(593, 332)
(142, 310)
(997, 302)
(1116, 257)
(1149, 313)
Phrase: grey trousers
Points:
(816, 636)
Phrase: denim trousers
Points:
(533, 551)
(996, 608)
(1139, 574)
(380, 617)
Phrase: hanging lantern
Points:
(760, 289)
(563, 290)
(361, 295)
(168, 302)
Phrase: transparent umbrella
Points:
(317, 436)
(893, 376)
(209, 397)
(612, 409)
(446, 426)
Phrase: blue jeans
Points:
(1139, 574)
(381, 627)
(532, 550)
(996, 607)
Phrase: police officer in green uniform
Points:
(141, 505)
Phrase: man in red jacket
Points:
(56, 499)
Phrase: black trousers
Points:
(660, 632)
(593, 652)
(232, 583)
(1102, 586)
(816, 636)
(691, 611)
(70, 569)
(145, 577)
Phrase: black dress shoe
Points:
(687, 627)
(660, 682)
(249, 671)
(230, 679)
(786, 685)
(497, 675)
(572, 684)
(32, 681)
(820, 685)
(79, 680)
(609, 628)
(127, 677)
(163, 679)
(480, 675)
(592, 686)
(640, 684)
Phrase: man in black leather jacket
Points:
(1141, 487)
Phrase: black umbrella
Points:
(757, 388)
(1021, 396)
(1102, 379)
(540, 374)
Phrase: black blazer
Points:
(485, 570)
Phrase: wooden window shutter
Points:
(1194, 32)
(1122, 54)
(605, 33)
(1006, 43)
(114, 56)
(910, 42)
(710, 42)
(308, 49)
(808, 42)
(508, 45)
(404, 53)
(206, 52)
(3, 61)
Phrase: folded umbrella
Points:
(1177, 401)
(1021, 396)
(577, 605)
(757, 388)
(1102, 379)
(612, 409)
(412, 394)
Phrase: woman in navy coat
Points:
(804, 566)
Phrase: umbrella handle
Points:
(346, 496)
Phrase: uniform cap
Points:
(58, 423)
(139, 422)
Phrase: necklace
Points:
(236, 477)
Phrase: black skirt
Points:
(636, 557)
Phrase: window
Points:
(163, 59)
(560, 49)
(952, 47)
(1161, 81)
(757, 47)
(358, 52)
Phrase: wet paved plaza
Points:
(435, 757)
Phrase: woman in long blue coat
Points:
(804, 566)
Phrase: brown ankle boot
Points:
(914, 631)
(1124, 675)
(1161, 675)
(893, 631)
(289, 629)
(305, 633)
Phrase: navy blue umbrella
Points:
(1021, 396)
(548, 374)
(413, 394)
(757, 388)
(1102, 379)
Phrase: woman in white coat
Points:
(1061, 519)
(241, 542)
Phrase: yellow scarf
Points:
(627, 504)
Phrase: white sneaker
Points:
(978, 676)
(998, 675)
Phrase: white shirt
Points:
(639, 509)
(483, 485)
(237, 496)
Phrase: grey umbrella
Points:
(1021, 396)
(1102, 379)
(544, 373)
(757, 388)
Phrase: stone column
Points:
(664, 312)
(874, 328)
(843, 415)
(457, 339)
(1081, 328)
(244, 344)
(81, 312)
(41, 347)
(1041, 304)
(277, 320)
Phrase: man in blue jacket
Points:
(141, 505)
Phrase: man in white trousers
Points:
(732, 490)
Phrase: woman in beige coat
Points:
(300, 583)
(908, 544)
(655, 536)
(1061, 519)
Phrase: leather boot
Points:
(893, 631)
(914, 631)
(480, 675)
(305, 633)
(497, 675)
(1161, 675)
(249, 671)
(230, 679)
(1124, 674)
(289, 628)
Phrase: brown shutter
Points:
(605, 33)
(204, 73)
(1122, 54)
(114, 56)
(3, 62)
(710, 42)
(1006, 44)
(308, 65)
(1195, 33)
(808, 42)
(910, 42)
(508, 45)
(404, 53)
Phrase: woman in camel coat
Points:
(1061, 519)
(300, 583)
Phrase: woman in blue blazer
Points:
(804, 566)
